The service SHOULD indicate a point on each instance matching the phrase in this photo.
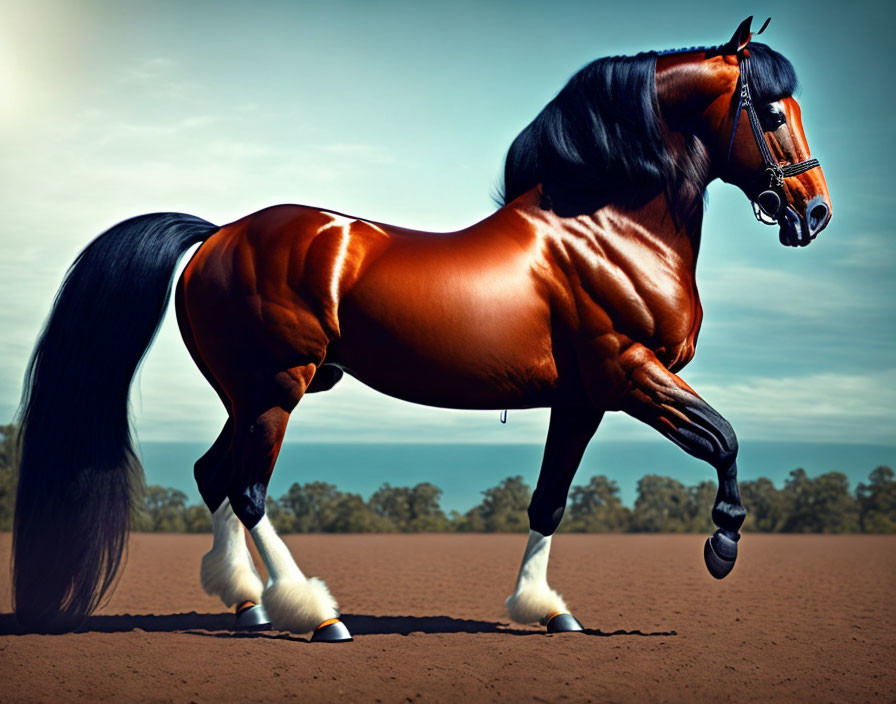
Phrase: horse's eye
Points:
(772, 117)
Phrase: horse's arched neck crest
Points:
(602, 140)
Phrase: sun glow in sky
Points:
(403, 112)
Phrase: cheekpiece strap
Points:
(776, 172)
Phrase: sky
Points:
(402, 112)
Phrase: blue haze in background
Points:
(403, 112)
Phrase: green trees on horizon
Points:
(503, 510)
(165, 510)
(877, 502)
(821, 504)
(9, 463)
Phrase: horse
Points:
(578, 294)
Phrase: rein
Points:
(769, 203)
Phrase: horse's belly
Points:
(499, 357)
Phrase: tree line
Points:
(822, 504)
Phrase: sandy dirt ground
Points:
(801, 618)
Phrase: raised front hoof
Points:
(251, 617)
(720, 553)
(563, 623)
(331, 631)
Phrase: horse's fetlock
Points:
(545, 519)
(729, 516)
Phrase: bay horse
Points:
(578, 294)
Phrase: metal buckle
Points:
(775, 176)
(761, 215)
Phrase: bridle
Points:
(770, 202)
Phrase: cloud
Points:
(371, 153)
(147, 71)
(823, 407)
(866, 252)
(778, 293)
(129, 131)
(831, 315)
(239, 149)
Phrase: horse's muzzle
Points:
(798, 231)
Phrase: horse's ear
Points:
(739, 41)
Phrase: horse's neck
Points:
(641, 236)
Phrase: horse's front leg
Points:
(660, 399)
(533, 600)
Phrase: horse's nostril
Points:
(818, 215)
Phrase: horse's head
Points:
(752, 128)
(767, 155)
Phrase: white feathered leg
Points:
(227, 570)
(292, 601)
(533, 600)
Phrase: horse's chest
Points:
(648, 302)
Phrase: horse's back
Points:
(458, 316)
(457, 320)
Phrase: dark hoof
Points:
(251, 617)
(563, 623)
(332, 631)
(720, 553)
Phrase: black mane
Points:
(600, 140)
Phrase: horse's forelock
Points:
(772, 76)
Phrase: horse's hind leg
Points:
(533, 600)
(292, 601)
(227, 570)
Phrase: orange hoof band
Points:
(331, 631)
(251, 617)
(563, 623)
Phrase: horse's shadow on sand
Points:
(221, 625)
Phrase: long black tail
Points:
(79, 470)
